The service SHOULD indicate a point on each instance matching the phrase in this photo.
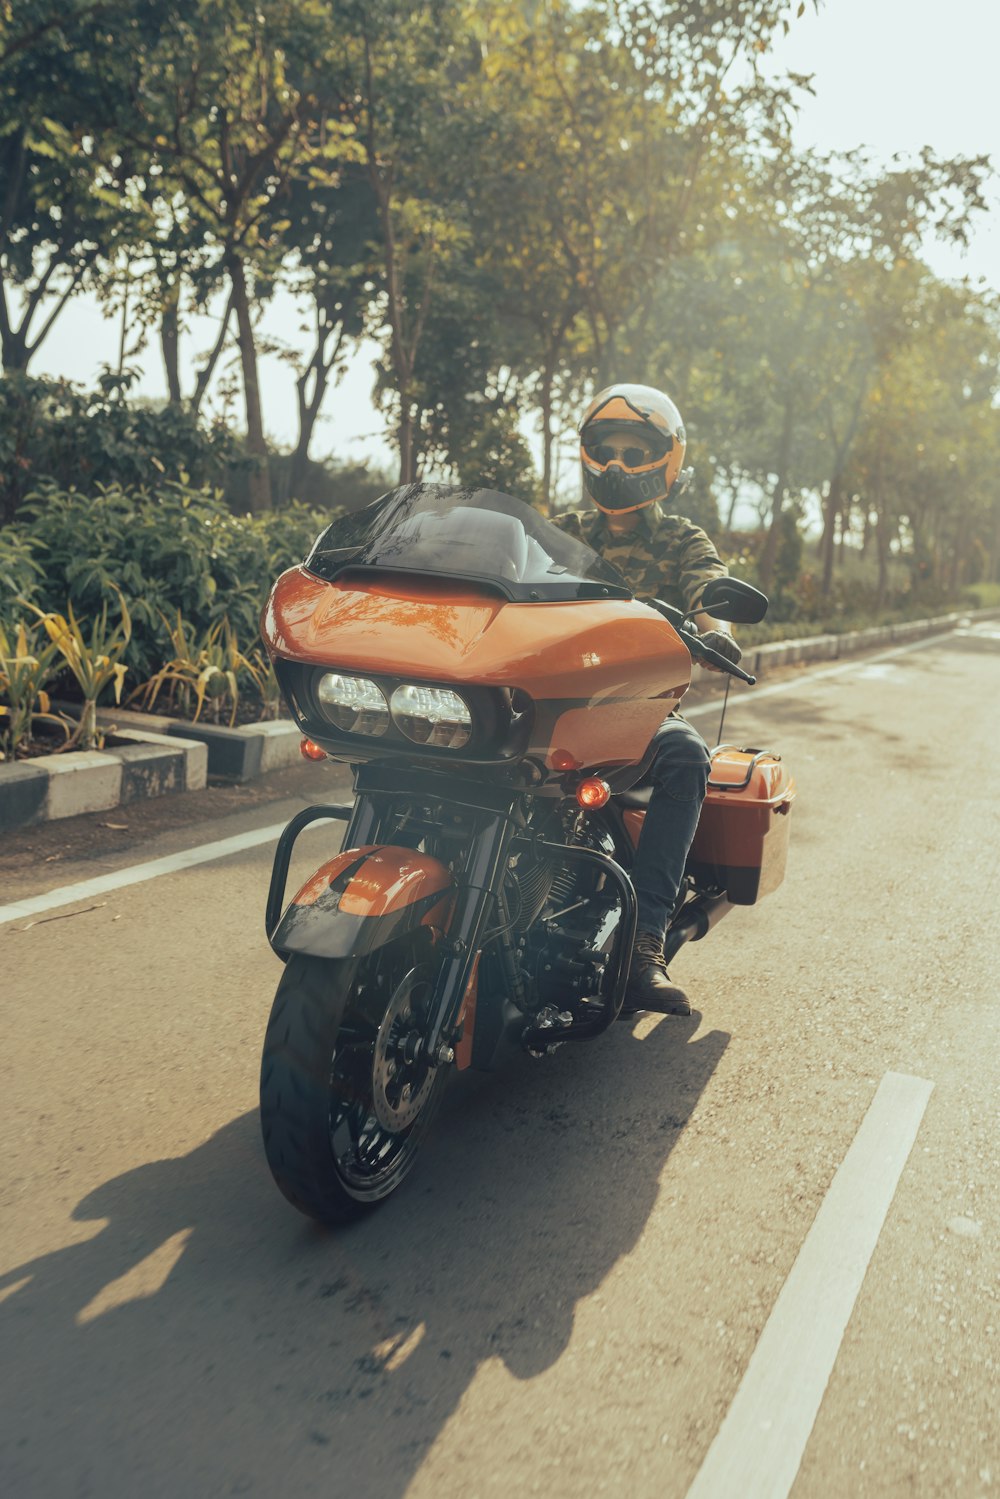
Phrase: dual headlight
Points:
(427, 715)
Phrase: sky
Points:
(892, 75)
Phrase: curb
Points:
(145, 764)
(834, 647)
(239, 754)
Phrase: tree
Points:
(60, 207)
(333, 234)
(230, 102)
(925, 462)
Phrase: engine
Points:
(565, 926)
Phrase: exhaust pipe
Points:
(693, 921)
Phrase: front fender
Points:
(363, 898)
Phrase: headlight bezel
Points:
(326, 709)
(461, 721)
(499, 730)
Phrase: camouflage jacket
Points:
(666, 557)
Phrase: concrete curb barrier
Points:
(143, 764)
(238, 754)
(762, 658)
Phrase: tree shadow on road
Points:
(207, 1340)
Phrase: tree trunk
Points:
(170, 345)
(299, 467)
(208, 368)
(831, 509)
(958, 560)
(546, 405)
(309, 404)
(734, 495)
(308, 412)
(404, 438)
(259, 486)
(13, 341)
(882, 538)
(769, 551)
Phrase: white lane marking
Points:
(137, 873)
(758, 1448)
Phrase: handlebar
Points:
(701, 652)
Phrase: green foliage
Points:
(331, 485)
(518, 202)
(27, 664)
(93, 657)
(19, 574)
(202, 667)
(165, 549)
(983, 595)
(52, 431)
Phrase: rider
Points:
(632, 446)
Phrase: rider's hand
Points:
(725, 645)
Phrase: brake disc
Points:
(400, 1087)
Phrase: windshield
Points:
(471, 534)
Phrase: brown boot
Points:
(649, 986)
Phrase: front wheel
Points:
(342, 1107)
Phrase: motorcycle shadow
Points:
(207, 1340)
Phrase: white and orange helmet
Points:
(618, 483)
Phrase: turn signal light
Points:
(593, 793)
(561, 759)
(310, 750)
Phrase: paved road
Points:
(566, 1296)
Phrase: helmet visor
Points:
(604, 443)
(603, 453)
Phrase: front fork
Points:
(479, 892)
(478, 881)
(477, 889)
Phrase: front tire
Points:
(324, 1055)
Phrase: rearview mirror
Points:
(733, 600)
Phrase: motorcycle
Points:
(495, 687)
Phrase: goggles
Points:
(602, 450)
(603, 453)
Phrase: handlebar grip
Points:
(717, 659)
(689, 632)
(702, 652)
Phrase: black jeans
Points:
(679, 775)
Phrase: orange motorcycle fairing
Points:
(363, 898)
(602, 675)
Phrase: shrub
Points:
(19, 575)
(208, 666)
(164, 550)
(27, 664)
(51, 430)
(94, 658)
(982, 595)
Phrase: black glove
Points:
(723, 644)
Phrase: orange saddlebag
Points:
(742, 840)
